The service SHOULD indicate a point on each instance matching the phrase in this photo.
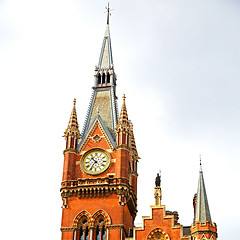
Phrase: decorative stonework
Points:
(158, 233)
(157, 196)
(101, 188)
(67, 229)
(70, 150)
(95, 125)
(79, 216)
(91, 219)
(96, 138)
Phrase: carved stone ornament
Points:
(96, 138)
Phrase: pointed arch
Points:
(204, 237)
(102, 213)
(158, 231)
(79, 216)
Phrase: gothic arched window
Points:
(100, 232)
(83, 229)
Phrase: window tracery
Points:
(100, 228)
(91, 227)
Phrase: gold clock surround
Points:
(95, 161)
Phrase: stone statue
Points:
(158, 180)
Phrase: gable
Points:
(98, 136)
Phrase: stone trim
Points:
(67, 229)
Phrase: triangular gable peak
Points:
(203, 237)
(97, 136)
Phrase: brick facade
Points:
(99, 182)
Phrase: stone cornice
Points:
(70, 150)
(205, 232)
(67, 229)
(122, 147)
(100, 188)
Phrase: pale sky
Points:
(178, 64)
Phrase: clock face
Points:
(96, 162)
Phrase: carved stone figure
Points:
(158, 180)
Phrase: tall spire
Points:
(104, 89)
(105, 59)
(202, 212)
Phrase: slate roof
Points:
(104, 96)
(106, 59)
(202, 212)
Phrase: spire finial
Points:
(74, 102)
(200, 162)
(108, 13)
(98, 110)
(124, 97)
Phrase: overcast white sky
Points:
(178, 64)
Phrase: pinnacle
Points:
(132, 140)
(72, 128)
(123, 115)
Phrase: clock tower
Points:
(99, 183)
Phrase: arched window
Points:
(99, 78)
(103, 78)
(100, 232)
(108, 78)
(83, 229)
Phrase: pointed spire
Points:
(202, 212)
(123, 127)
(123, 119)
(105, 59)
(72, 129)
(104, 89)
(133, 147)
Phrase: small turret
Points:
(72, 133)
